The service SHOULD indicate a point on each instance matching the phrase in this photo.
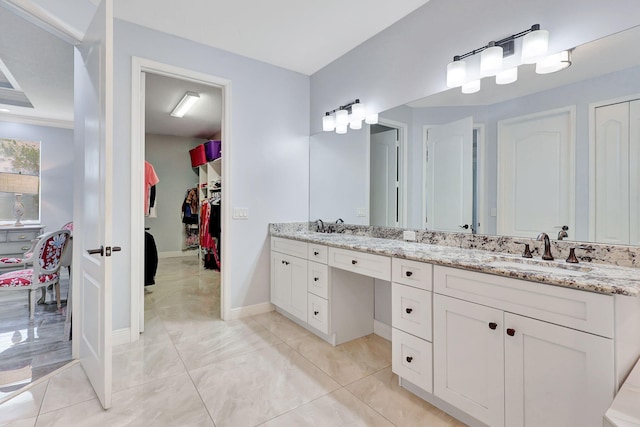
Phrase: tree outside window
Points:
(19, 159)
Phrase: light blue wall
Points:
(56, 169)
(407, 61)
(270, 165)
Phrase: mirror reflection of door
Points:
(449, 177)
(536, 174)
(384, 172)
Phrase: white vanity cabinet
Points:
(289, 276)
(496, 363)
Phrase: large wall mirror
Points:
(542, 154)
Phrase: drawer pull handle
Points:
(409, 273)
(511, 332)
(285, 262)
(315, 279)
(316, 253)
(315, 313)
(354, 262)
(493, 325)
(408, 310)
(409, 359)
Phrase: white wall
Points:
(169, 156)
(407, 61)
(56, 168)
(270, 137)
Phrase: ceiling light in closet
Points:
(185, 104)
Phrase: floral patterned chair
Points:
(49, 252)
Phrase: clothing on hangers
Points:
(150, 180)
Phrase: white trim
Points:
(39, 121)
(382, 329)
(481, 175)
(571, 110)
(139, 65)
(251, 310)
(121, 336)
(41, 18)
(402, 141)
(178, 254)
(592, 156)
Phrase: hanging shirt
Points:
(150, 179)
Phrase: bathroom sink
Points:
(548, 267)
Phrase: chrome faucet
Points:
(547, 246)
(319, 226)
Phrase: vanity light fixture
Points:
(346, 116)
(535, 43)
(185, 104)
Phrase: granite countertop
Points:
(600, 278)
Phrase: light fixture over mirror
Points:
(535, 43)
(349, 115)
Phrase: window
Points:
(19, 175)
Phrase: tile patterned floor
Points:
(192, 369)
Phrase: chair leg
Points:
(32, 303)
(57, 287)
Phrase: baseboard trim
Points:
(121, 336)
(251, 310)
(177, 254)
(382, 329)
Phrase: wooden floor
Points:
(31, 350)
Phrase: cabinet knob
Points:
(315, 279)
(493, 325)
(511, 332)
(316, 253)
(354, 262)
(315, 313)
(409, 359)
(408, 310)
(409, 273)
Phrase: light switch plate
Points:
(409, 235)
(240, 213)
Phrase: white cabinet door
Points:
(555, 376)
(280, 281)
(468, 358)
(298, 270)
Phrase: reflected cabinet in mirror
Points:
(556, 153)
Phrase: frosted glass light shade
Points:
(371, 119)
(552, 63)
(534, 46)
(355, 123)
(490, 61)
(328, 123)
(357, 111)
(456, 73)
(342, 118)
(341, 129)
(507, 76)
(471, 87)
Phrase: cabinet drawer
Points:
(318, 313)
(318, 282)
(377, 266)
(412, 273)
(289, 247)
(14, 248)
(411, 310)
(411, 359)
(318, 253)
(585, 311)
(22, 236)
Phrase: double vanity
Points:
(492, 338)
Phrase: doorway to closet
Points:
(183, 212)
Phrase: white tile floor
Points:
(192, 369)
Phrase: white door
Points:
(93, 75)
(384, 179)
(449, 177)
(536, 174)
(468, 358)
(555, 376)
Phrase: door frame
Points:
(592, 155)
(402, 129)
(138, 66)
